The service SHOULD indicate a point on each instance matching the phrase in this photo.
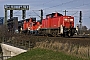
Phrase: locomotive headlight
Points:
(71, 19)
(65, 19)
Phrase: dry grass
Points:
(69, 48)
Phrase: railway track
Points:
(26, 39)
(78, 37)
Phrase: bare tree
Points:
(4, 34)
(84, 28)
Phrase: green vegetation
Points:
(43, 54)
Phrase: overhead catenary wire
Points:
(79, 6)
(83, 5)
(63, 4)
(75, 13)
(36, 13)
(66, 3)
(48, 2)
(60, 4)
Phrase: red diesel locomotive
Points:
(30, 26)
(56, 24)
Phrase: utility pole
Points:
(41, 15)
(65, 12)
(23, 14)
(11, 14)
(80, 21)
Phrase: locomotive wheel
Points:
(54, 34)
(69, 34)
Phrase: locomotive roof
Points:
(54, 14)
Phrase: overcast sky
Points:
(72, 6)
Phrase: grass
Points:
(44, 54)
